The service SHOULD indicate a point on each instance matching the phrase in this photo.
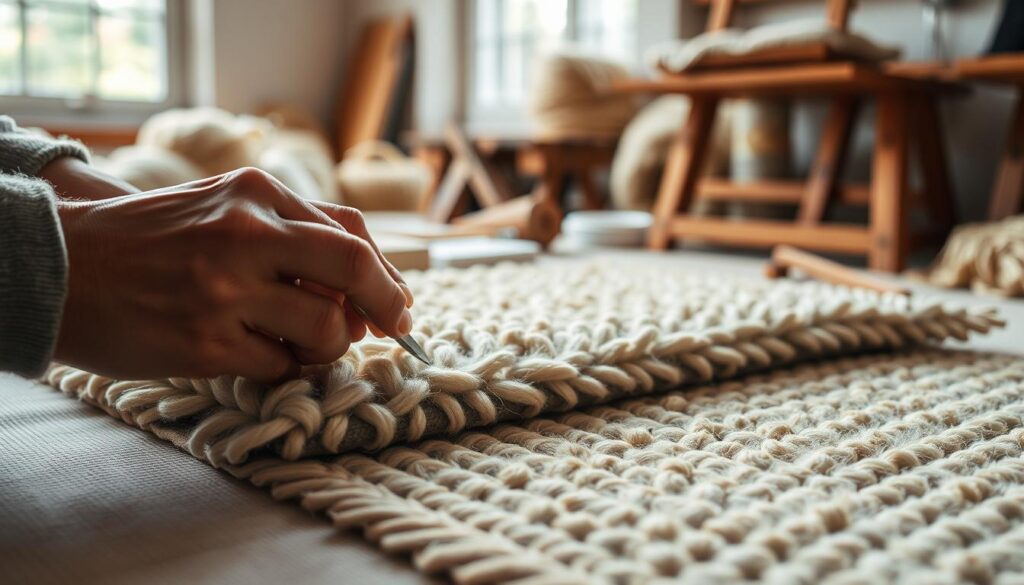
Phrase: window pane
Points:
(513, 71)
(59, 51)
(139, 6)
(487, 18)
(73, 4)
(131, 58)
(608, 27)
(488, 88)
(10, 50)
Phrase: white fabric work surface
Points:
(86, 499)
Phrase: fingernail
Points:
(405, 323)
(408, 294)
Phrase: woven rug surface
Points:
(617, 441)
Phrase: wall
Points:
(273, 50)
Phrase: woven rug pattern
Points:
(513, 342)
(902, 469)
(628, 425)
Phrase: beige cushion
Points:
(679, 56)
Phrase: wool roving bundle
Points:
(987, 257)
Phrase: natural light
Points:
(100, 49)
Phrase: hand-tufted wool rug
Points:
(598, 429)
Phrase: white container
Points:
(624, 229)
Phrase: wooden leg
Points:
(449, 192)
(592, 199)
(682, 169)
(828, 165)
(437, 159)
(1009, 189)
(931, 149)
(889, 185)
(488, 189)
(549, 187)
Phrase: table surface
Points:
(87, 498)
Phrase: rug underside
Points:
(625, 424)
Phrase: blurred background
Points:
(294, 86)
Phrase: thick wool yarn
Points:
(877, 469)
(513, 342)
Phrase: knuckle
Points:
(328, 324)
(357, 255)
(251, 177)
(354, 219)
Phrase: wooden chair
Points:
(1008, 192)
(906, 108)
(472, 166)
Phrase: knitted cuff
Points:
(25, 153)
(33, 273)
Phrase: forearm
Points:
(33, 274)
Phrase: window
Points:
(508, 35)
(85, 54)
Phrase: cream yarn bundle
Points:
(515, 341)
(572, 97)
(181, 145)
(214, 140)
(988, 258)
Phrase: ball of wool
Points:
(214, 140)
(572, 96)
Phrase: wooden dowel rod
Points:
(785, 258)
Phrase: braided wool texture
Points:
(514, 341)
(900, 468)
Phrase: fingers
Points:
(347, 264)
(263, 359)
(352, 220)
(313, 325)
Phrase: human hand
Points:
(73, 179)
(199, 280)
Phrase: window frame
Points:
(505, 117)
(42, 110)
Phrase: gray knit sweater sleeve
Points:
(25, 153)
(33, 262)
(33, 268)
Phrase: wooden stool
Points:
(474, 164)
(906, 109)
(1008, 192)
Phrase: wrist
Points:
(73, 179)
